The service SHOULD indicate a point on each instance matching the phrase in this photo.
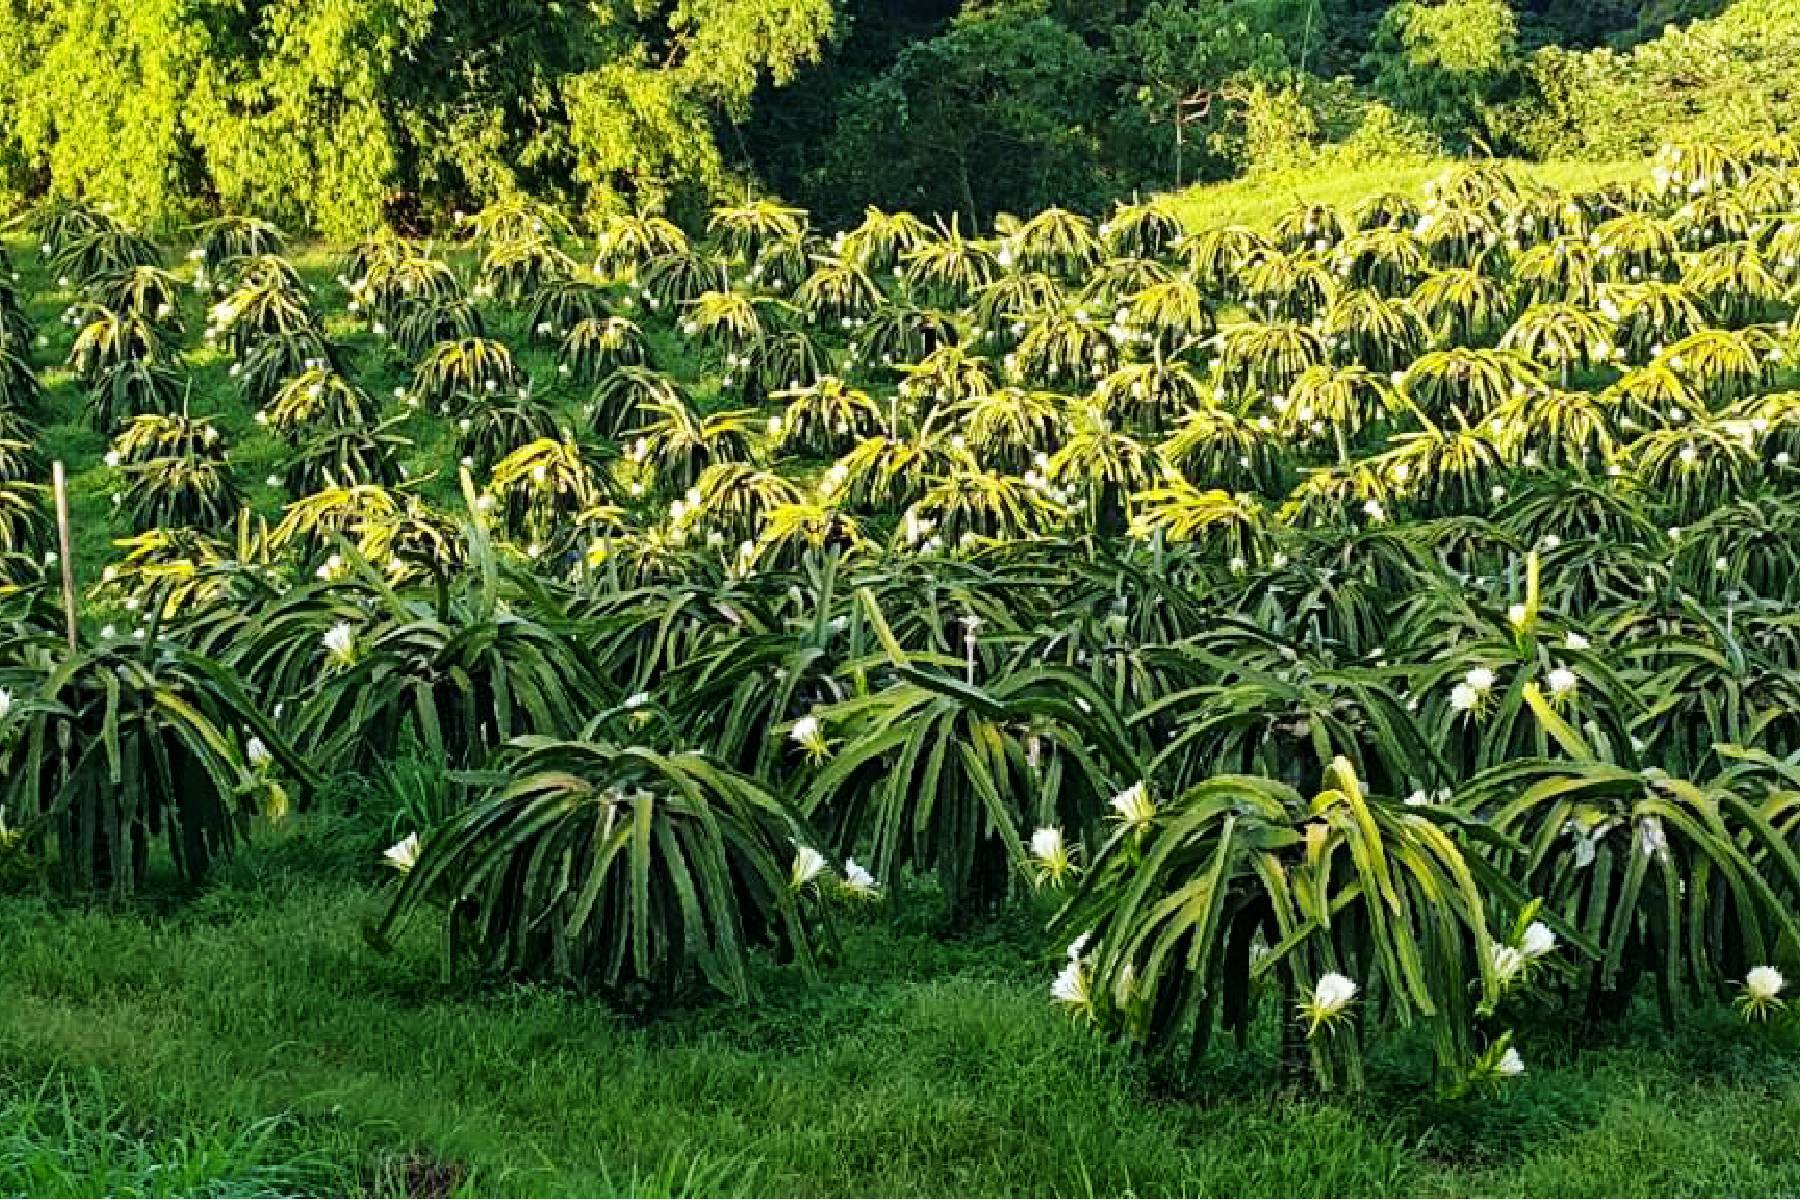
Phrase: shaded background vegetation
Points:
(336, 116)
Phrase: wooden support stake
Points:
(63, 555)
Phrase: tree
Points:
(336, 115)
(1181, 51)
(90, 99)
(997, 113)
(642, 125)
(1446, 61)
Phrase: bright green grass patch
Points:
(255, 1041)
(1257, 201)
(63, 1138)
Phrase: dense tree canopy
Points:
(906, 93)
(339, 116)
(1445, 60)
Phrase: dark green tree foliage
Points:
(1739, 72)
(336, 116)
(869, 126)
(1182, 53)
(995, 114)
(1447, 60)
(1034, 103)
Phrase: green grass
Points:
(250, 1039)
(63, 1138)
(1258, 200)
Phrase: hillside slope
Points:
(1259, 199)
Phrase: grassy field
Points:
(1257, 201)
(256, 1043)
